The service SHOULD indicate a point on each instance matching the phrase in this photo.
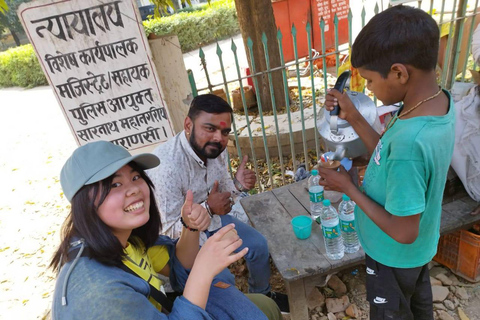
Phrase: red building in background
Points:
(299, 12)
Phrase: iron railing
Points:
(461, 14)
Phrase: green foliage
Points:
(162, 6)
(198, 7)
(194, 29)
(3, 6)
(19, 67)
(9, 18)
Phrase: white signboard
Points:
(98, 62)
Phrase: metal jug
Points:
(337, 134)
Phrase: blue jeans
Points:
(230, 303)
(222, 303)
(257, 257)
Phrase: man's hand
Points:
(219, 202)
(194, 215)
(246, 176)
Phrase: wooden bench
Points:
(302, 263)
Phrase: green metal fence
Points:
(456, 16)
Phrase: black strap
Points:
(156, 294)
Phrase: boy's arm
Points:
(348, 112)
(401, 229)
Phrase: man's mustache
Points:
(215, 144)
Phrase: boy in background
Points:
(398, 212)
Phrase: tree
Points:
(3, 9)
(162, 6)
(3, 6)
(10, 20)
(256, 17)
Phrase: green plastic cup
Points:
(302, 226)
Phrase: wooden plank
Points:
(294, 208)
(294, 258)
(456, 215)
(289, 202)
(449, 222)
(470, 202)
(300, 192)
(271, 213)
(297, 299)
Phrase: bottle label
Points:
(347, 226)
(331, 232)
(316, 195)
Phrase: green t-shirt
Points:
(406, 175)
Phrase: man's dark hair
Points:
(209, 103)
(84, 222)
(400, 34)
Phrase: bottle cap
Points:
(345, 197)
(326, 202)
(314, 172)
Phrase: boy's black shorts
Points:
(398, 293)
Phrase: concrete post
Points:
(176, 91)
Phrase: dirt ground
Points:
(35, 142)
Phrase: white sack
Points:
(466, 154)
(476, 44)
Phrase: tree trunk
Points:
(177, 5)
(255, 17)
(15, 37)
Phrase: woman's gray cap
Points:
(96, 161)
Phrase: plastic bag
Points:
(466, 153)
(357, 83)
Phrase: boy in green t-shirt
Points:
(398, 212)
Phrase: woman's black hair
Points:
(400, 34)
(83, 222)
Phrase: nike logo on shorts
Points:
(370, 271)
(379, 300)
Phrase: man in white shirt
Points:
(196, 159)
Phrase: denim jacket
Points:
(88, 289)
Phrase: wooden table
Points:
(302, 263)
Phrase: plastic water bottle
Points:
(347, 224)
(331, 231)
(316, 195)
